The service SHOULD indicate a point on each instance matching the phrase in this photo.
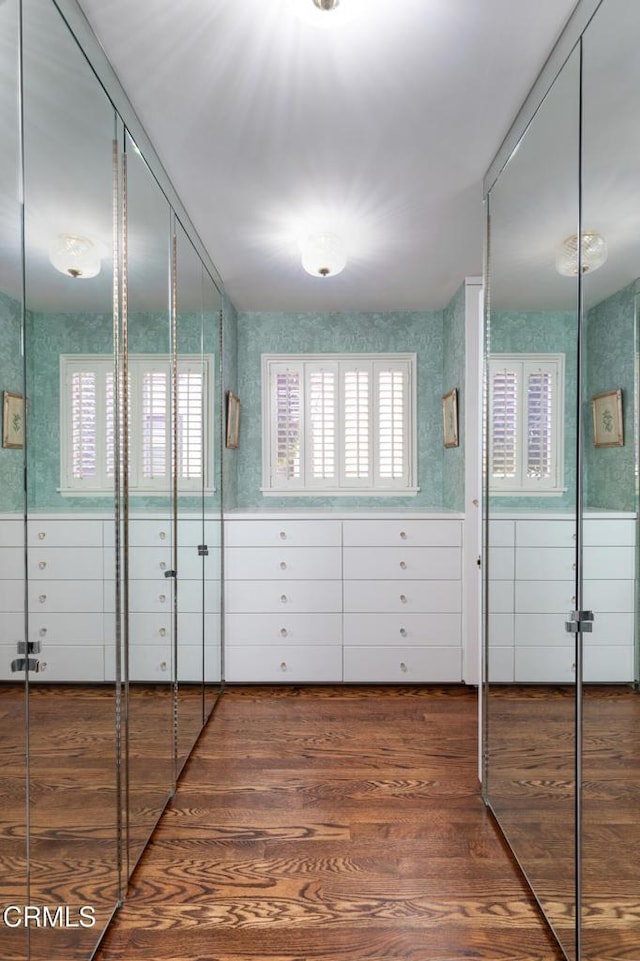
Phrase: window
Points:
(338, 423)
(526, 413)
(88, 432)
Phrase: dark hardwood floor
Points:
(330, 823)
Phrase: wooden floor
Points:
(336, 824)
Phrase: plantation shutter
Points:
(357, 425)
(84, 425)
(191, 406)
(321, 407)
(392, 429)
(539, 424)
(154, 426)
(287, 396)
(504, 423)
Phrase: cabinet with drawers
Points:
(359, 599)
(529, 607)
(283, 600)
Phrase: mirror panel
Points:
(611, 704)
(13, 705)
(530, 498)
(148, 661)
(69, 128)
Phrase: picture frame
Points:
(12, 420)
(607, 419)
(233, 420)
(450, 418)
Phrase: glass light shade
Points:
(323, 255)
(75, 256)
(593, 254)
(326, 14)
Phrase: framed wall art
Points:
(607, 419)
(12, 419)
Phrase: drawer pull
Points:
(403, 632)
(162, 535)
(403, 598)
(283, 598)
(283, 666)
(403, 535)
(403, 667)
(283, 535)
(162, 632)
(42, 598)
(283, 632)
(283, 565)
(42, 632)
(162, 565)
(403, 565)
(163, 665)
(42, 565)
(162, 598)
(41, 535)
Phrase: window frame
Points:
(138, 364)
(339, 485)
(521, 485)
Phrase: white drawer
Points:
(150, 663)
(191, 667)
(192, 595)
(12, 629)
(394, 630)
(501, 597)
(285, 628)
(501, 665)
(549, 596)
(156, 629)
(545, 563)
(148, 596)
(410, 597)
(65, 596)
(150, 533)
(412, 533)
(66, 663)
(544, 665)
(11, 563)
(501, 563)
(287, 665)
(66, 563)
(271, 533)
(191, 626)
(605, 532)
(608, 628)
(609, 596)
(501, 630)
(282, 563)
(286, 597)
(398, 665)
(11, 596)
(608, 665)
(67, 533)
(67, 628)
(12, 532)
(501, 533)
(400, 563)
(609, 563)
(545, 533)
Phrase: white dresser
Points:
(343, 598)
(532, 590)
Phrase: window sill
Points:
(341, 492)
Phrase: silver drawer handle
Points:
(42, 632)
(283, 535)
(283, 565)
(162, 565)
(162, 535)
(283, 665)
(403, 565)
(403, 598)
(42, 598)
(162, 598)
(42, 565)
(403, 632)
(403, 667)
(162, 632)
(283, 632)
(41, 535)
(403, 535)
(283, 598)
(163, 665)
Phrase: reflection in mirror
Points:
(147, 667)
(73, 804)
(13, 731)
(611, 709)
(530, 557)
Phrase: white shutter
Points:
(357, 424)
(321, 410)
(286, 455)
(190, 403)
(392, 424)
(84, 425)
(154, 425)
(503, 405)
(539, 424)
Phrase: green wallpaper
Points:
(230, 382)
(11, 379)
(453, 376)
(542, 332)
(611, 351)
(420, 332)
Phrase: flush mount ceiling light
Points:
(593, 254)
(75, 256)
(326, 13)
(327, 4)
(323, 255)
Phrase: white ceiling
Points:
(380, 129)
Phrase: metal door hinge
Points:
(27, 663)
(29, 647)
(579, 621)
(203, 550)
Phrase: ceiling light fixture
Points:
(314, 12)
(323, 254)
(75, 256)
(326, 4)
(593, 254)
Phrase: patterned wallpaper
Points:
(419, 332)
(230, 382)
(453, 376)
(11, 379)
